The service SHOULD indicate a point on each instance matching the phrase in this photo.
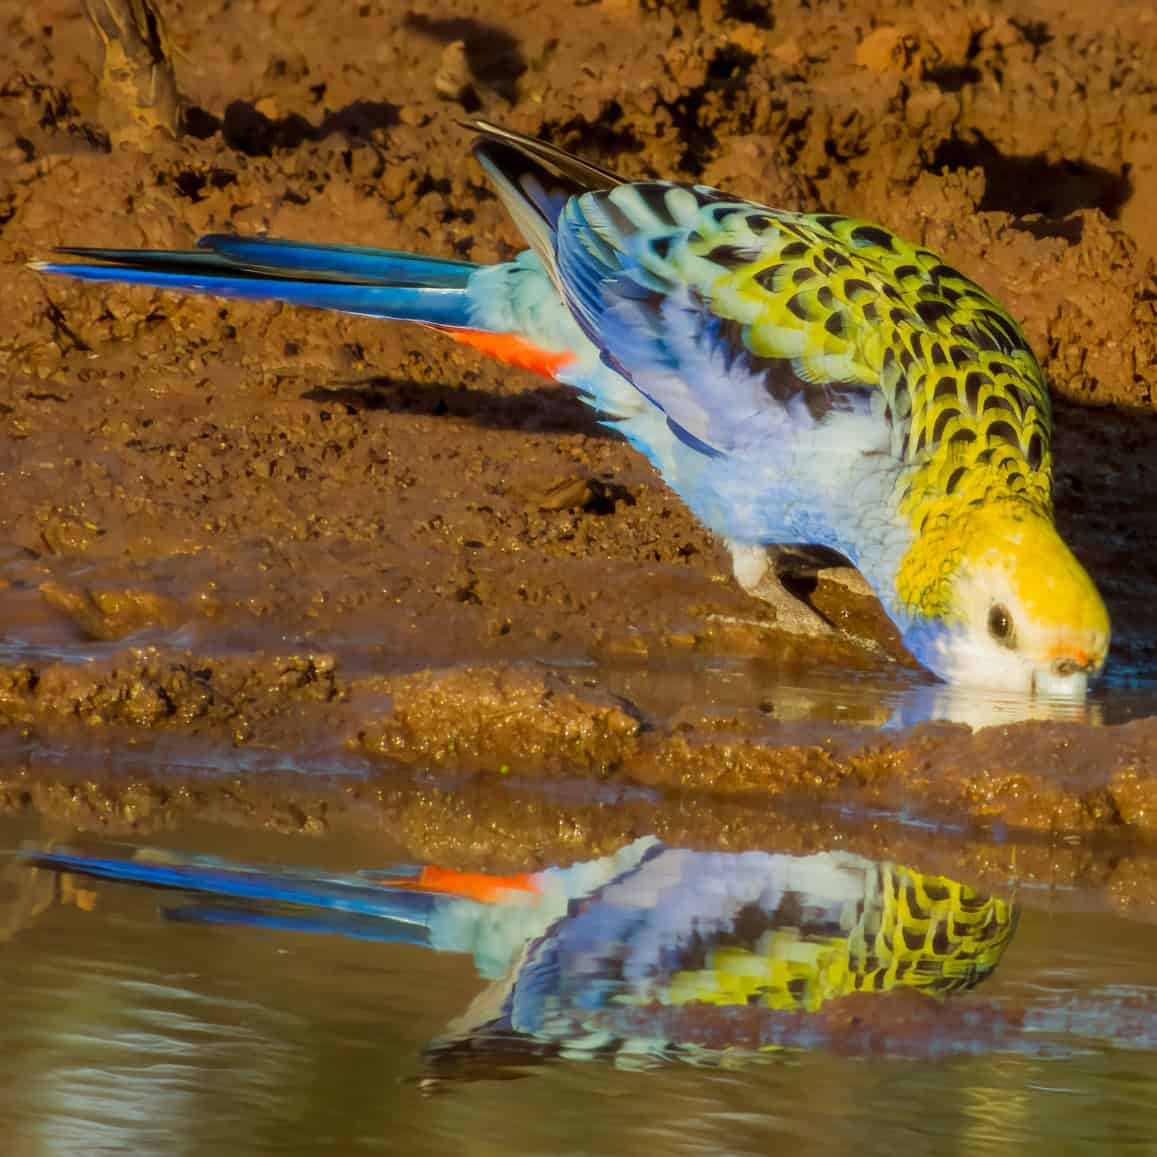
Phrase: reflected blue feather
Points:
(252, 884)
(341, 924)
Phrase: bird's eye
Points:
(1000, 625)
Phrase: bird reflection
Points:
(648, 954)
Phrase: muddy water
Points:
(126, 1031)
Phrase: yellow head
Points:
(1016, 611)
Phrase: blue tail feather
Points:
(337, 894)
(346, 262)
(370, 282)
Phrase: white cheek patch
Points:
(980, 662)
(973, 657)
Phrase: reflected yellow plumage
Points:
(926, 933)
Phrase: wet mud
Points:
(301, 570)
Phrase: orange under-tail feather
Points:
(469, 885)
(512, 350)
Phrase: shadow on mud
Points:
(543, 409)
(248, 130)
(493, 54)
(1027, 185)
(1105, 487)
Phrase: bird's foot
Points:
(757, 570)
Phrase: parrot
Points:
(797, 379)
(618, 956)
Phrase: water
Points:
(130, 1032)
(887, 700)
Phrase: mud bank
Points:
(300, 540)
(1040, 776)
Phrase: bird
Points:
(618, 956)
(796, 378)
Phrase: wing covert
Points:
(736, 318)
